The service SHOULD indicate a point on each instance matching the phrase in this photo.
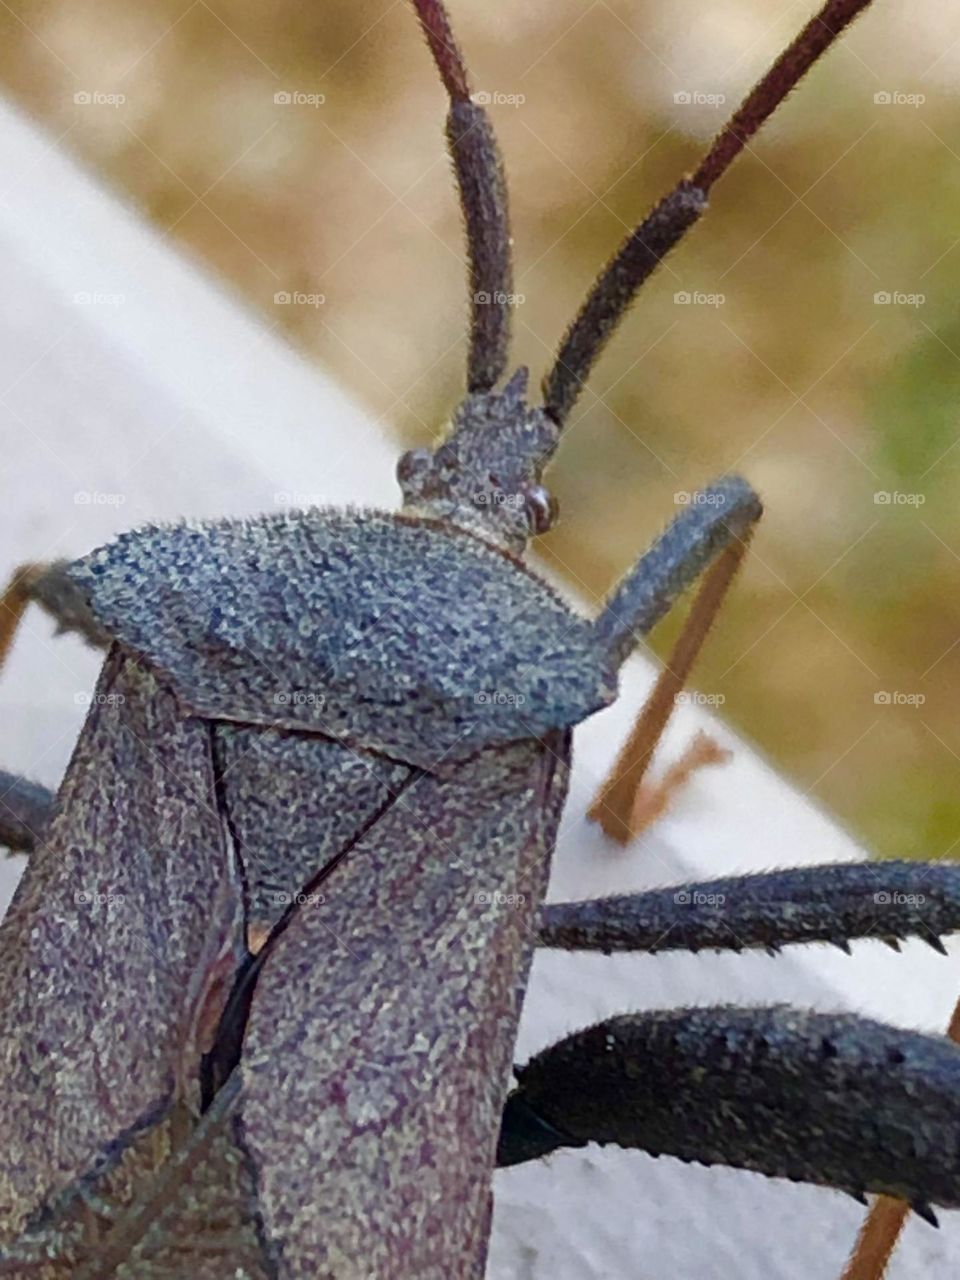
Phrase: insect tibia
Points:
(711, 521)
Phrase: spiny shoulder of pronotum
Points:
(485, 475)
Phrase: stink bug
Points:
(317, 738)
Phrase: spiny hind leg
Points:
(829, 1099)
(836, 903)
(708, 539)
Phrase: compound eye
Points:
(414, 463)
(541, 508)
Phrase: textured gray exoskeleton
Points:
(347, 735)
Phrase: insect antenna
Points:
(483, 198)
(641, 252)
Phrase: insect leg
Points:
(48, 586)
(483, 198)
(882, 1227)
(718, 518)
(25, 810)
(834, 903)
(830, 1099)
(615, 806)
(710, 536)
(25, 806)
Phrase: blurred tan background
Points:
(296, 150)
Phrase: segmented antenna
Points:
(641, 252)
(483, 198)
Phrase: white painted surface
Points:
(180, 403)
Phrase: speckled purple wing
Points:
(178, 1200)
(104, 952)
(378, 1048)
(401, 636)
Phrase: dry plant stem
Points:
(884, 1223)
(615, 806)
